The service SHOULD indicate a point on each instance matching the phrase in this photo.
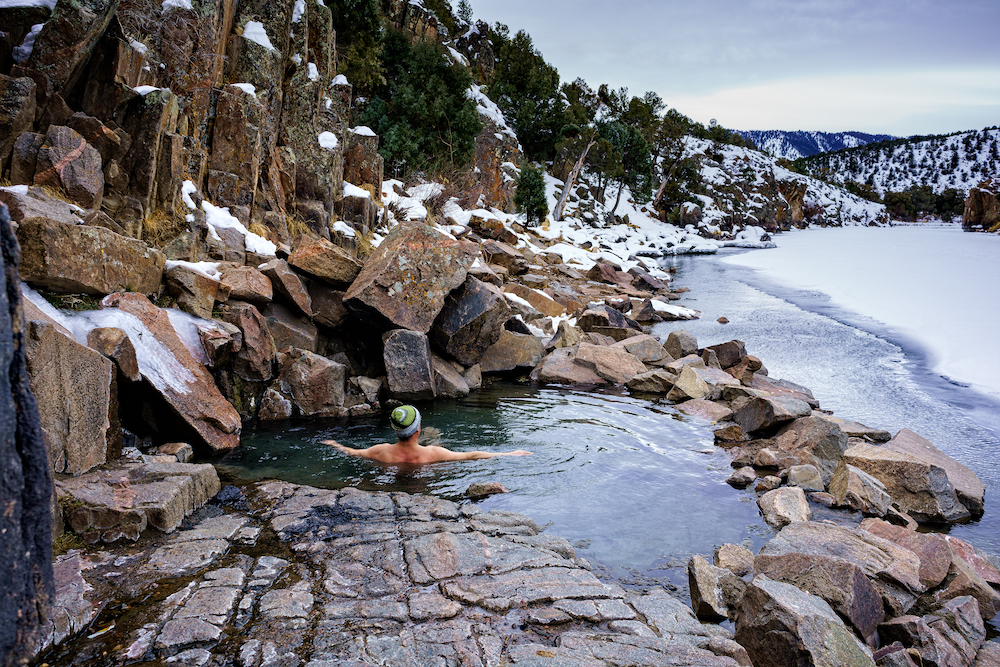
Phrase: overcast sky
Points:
(899, 67)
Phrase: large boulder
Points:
(512, 351)
(680, 344)
(77, 401)
(729, 354)
(77, 258)
(688, 385)
(328, 305)
(501, 254)
(892, 569)
(778, 624)
(762, 413)
(814, 441)
(982, 207)
(970, 489)
(841, 583)
(448, 382)
(643, 347)
(951, 636)
(246, 283)
(407, 356)
(256, 357)
(290, 328)
(921, 489)
(315, 385)
(614, 364)
(66, 162)
(408, 277)
(181, 381)
(470, 321)
(194, 290)
(560, 367)
(26, 484)
(322, 259)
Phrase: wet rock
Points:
(779, 624)
(854, 488)
(921, 489)
(246, 283)
(742, 478)
(407, 357)
(92, 260)
(77, 408)
(767, 483)
(322, 259)
(841, 583)
(289, 284)
(952, 636)
(968, 486)
(964, 580)
(715, 592)
(652, 382)
(470, 321)
(765, 413)
(512, 351)
(189, 389)
(560, 367)
(484, 489)
(72, 607)
(613, 364)
(412, 260)
(856, 430)
(729, 354)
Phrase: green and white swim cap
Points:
(405, 420)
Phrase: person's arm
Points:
(364, 453)
(448, 455)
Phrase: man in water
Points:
(405, 421)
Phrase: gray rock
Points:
(688, 385)
(470, 321)
(680, 344)
(448, 382)
(742, 478)
(805, 477)
(289, 329)
(185, 631)
(501, 592)
(854, 488)
(736, 559)
(779, 624)
(286, 603)
(715, 591)
(764, 413)
(512, 351)
(781, 507)
(814, 441)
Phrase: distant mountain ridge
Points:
(960, 161)
(797, 144)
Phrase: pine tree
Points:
(465, 11)
(530, 196)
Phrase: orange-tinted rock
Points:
(67, 162)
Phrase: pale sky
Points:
(882, 66)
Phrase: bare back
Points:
(409, 452)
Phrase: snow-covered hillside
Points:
(797, 144)
(959, 161)
(747, 184)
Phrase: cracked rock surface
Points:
(308, 577)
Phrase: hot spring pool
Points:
(636, 486)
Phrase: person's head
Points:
(405, 421)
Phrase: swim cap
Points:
(405, 420)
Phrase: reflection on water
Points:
(630, 481)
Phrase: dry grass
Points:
(159, 228)
(366, 245)
(259, 230)
(297, 227)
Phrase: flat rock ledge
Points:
(338, 578)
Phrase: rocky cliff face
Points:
(982, 208)
(25, 485)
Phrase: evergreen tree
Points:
(359, 43)
(530, 196)
(422, 114)
(465, 12)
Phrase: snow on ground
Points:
(934, 285)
